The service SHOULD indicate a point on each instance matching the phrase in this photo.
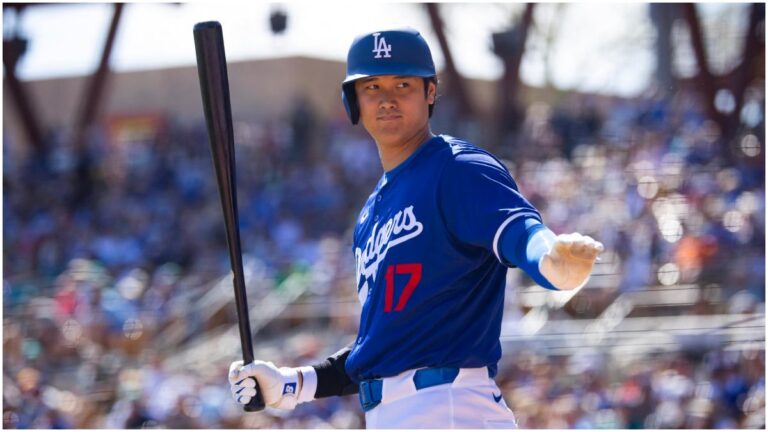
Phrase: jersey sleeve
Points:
(523, 243)
(478, 198)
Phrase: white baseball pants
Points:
(471, 401)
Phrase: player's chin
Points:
(389, 129)
(389, 125)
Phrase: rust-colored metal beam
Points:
(16, 6)
(13, 49)
(752, 63)
(663, 16)
(95, 89)
(704, 78)
(510, 47)
(456, 84)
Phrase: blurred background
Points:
(640, 125)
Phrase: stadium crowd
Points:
(105, 247)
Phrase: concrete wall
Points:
(260, 89)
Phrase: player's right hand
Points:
(279, 387)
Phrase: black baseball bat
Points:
(214, 85)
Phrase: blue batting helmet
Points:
(388, 52)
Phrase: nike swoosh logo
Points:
(496, 398)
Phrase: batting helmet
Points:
(390, 52)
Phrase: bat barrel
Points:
(214, 86)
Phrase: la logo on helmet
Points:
(380, 46)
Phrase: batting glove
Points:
(281, 388)
(569, 261)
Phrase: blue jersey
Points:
(429, 275)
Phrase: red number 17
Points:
(412, 269)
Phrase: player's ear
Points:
(431, 92)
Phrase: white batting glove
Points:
(281, 388)
(569, 261)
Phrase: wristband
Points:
(308, 383)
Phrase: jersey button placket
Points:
(375, 207)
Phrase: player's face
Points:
(393, 108)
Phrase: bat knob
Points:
(206, 25)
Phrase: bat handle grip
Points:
(256, 403)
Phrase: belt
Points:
(371, 390)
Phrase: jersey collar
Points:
(389, 175)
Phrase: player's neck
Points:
(393, 154)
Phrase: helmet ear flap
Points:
(349, 97)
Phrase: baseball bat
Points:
(214, 86)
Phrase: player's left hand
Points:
(569, 261)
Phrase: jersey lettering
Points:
(400, 228)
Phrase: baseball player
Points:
(432, 243)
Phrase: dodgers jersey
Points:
(429, 275)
